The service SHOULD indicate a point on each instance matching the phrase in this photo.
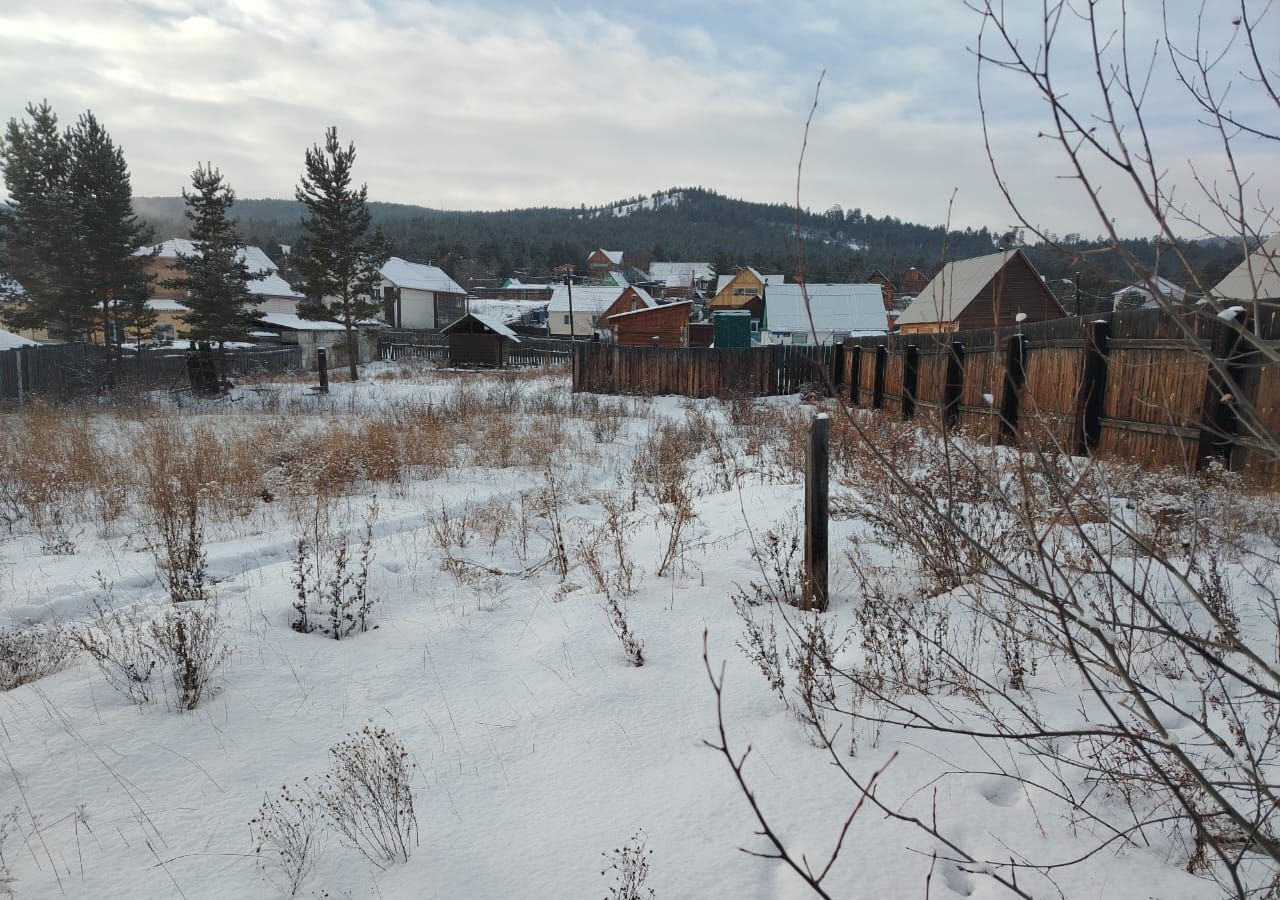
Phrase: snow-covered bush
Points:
(367, 795)
(117, 640)
(30, 652)
(331, 588)
(175, 537)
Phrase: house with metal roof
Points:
(983, 292)
(822, 313)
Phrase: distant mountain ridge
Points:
(681, 223)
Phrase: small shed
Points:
(732, 327)
(479, 340)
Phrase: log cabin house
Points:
(652, 326)
(982, 292)
(601, 262)
(479, 340)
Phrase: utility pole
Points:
(1077, 293)
(568, 280)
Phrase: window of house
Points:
(377, 292)
(745, 292)
(566, 318)
(165, 332)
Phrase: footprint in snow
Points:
(1001, 791)
(957, 881)
(392, 567)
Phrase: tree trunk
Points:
(351, 352)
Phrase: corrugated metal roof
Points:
(592, 299)
(834, 307)
(1256, 278)
(954, 288)
(419, 277)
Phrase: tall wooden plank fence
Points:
(1137, 384)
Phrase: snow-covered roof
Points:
(295, 322)
(1163, 286)
(165, 304)
(959, 283)
(614, 256)
(492, 323)
(504, 310)
(419, 277)
(11, 341)
(679, 274)
(264, 281)
(586, 298)
(1257, 278)
(834, 307)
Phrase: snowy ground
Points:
(537, 745)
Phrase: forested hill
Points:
(679, 224)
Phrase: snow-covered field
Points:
(538, 746)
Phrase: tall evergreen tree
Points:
(132, 312)
(41, 248)
(216, 275)
(338, 267)
(102, 200)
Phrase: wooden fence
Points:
(69, 371)
(1138, 384)
(700, 371)
(432, 345)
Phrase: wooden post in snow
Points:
(815, 514)
(322, 366)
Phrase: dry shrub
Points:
(630, 867)
(367, 795)
(188, 642)
(288, 838)
(116, 639)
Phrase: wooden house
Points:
(982, 292)
(886, 288)
(592, 304)
(1148, 295)
(744, 289)
(479, 340)
(271, 293)
(601, 262)
(652, 326)
(912, 281)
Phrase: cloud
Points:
(500, 104)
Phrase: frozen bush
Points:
(331, 588)
(188, 641)
(630, 867)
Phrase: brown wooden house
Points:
(886, 288)
(601, 262)
(479, 340)
(913, 281)
(981, 292)
(652, 326)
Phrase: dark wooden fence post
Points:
(877, 381)
(1015, 375)
(1093, 386)
(910, 379)
(322, 366)
(954, 384)
(1221, 423)
(815, 514)
(853, 365)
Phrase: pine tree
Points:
(338, 267)
(109, 232)
(41, 248)
(133, 313)
(216, 275)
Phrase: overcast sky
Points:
(488, 105)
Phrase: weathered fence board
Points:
(76, 370)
